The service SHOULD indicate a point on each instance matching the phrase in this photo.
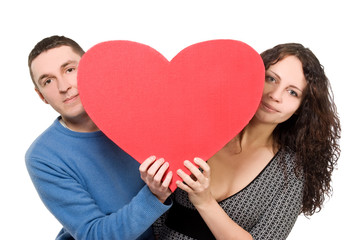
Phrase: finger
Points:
(161, 171)
(195, 171)
(155, 166)
(145, 165)
(204, 166)
(184, 187)
(186, 178)
(167, 180)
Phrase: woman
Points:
(279, 166)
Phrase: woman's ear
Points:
(41, 95)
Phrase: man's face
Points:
(55, 74)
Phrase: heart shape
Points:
(188, 107)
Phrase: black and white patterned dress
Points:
(267, 208)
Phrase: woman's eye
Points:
(293, 93)
(270, 79)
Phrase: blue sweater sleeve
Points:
(77, 211)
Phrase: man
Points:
(87, 182)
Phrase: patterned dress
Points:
(267, 208)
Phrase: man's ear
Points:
(41, 95)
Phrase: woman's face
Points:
(283, 91)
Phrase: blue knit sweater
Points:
(91, 186)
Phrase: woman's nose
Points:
(276, 94)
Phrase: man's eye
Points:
(47, 81)
(70, 70)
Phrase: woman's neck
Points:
(257, 134)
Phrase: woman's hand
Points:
(152, 172)
(198, 184)
(198, 187)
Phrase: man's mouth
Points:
(71, 98)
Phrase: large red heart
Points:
(188, 107)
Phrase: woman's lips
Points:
(268, 107)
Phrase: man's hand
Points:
(152, 172)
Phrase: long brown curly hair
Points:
(314, 132)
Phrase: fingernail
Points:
(196, 159)
(153, 157)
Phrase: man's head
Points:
(50, 43)
(53, 66)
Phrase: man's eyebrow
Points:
(68, 63)
(43, 76)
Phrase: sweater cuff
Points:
(152, 204)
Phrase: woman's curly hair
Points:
(314, 132)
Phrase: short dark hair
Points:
(50, 43)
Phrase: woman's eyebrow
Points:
(275, 74)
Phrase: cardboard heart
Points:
(188, 107)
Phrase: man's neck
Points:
(81, 124)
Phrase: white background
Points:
(168, 26)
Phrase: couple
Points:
(253, 188)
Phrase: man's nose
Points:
(63, 84)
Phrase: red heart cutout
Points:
(188, 107)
